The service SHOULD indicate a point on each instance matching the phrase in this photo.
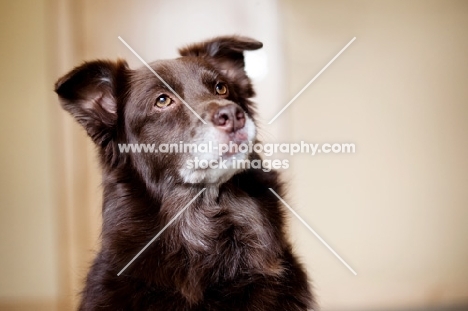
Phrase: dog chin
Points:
(227, 164)
(227, 167)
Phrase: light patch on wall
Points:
(256, 64)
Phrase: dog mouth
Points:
(233, 142)
(223, 150)
(230, 143)
(239, 137)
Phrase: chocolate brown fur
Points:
(228, 250)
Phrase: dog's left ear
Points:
(225, 52)
(89, 93)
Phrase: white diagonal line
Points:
(313, 79)
(160, 232)
(162, 80)
(313, 231)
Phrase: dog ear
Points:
(225, 52)
(89, 94)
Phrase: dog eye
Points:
(163, 101)
(221, 89)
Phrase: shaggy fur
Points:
(228, 250)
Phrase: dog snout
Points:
(229, 118)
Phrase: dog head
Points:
(200, 98)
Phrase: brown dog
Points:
(227, 250)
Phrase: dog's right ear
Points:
(226, 53)
(90, 94)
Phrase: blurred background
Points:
(396, 210)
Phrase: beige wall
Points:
(397, 210)
(28, 226)
(50, 195)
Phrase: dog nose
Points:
(229, 118)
